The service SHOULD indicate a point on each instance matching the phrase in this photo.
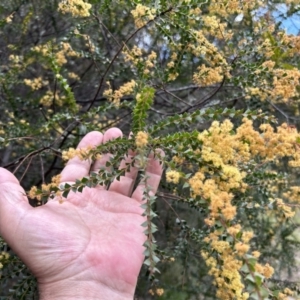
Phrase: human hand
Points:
(91, 245)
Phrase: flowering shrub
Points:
(214, 84)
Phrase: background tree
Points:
(215, 84)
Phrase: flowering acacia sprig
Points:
(55, 58)
(104, 176)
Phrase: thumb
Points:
(13, 205)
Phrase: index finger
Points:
(77, 168)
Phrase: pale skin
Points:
(91, 245)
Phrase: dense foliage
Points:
(213, 83)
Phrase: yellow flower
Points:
(32, 192)
(77, 8)
(173, 176)
(142, 14)
(241, 248)
(159, 292)
(268, 271)
(141, 139)
(256, 254)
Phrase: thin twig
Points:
(42, 168)
(24, 173)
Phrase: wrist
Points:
(81, 290)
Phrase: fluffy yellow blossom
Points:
(9, 18)
(241, 248)
(207, 76)
(36, 83)
(178, 160)
(289, 292)
(256, 254)
(159, 291)
(4, 255)
(81, 153)
(226, 274)
(139, 59)
(125, 89)
(173, 176)
(141, 139)
(77, 8)
(73, 75)
(32, 192)
(142, 15)
(268, 271)
(286, 210)
(234, 230)
(172, 76)
(216, 28)
(220, 246)
(247, 236)
(64, 52)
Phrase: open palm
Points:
(92, 242)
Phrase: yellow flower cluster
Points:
(16, 59)
(66, 50)
(293, 43)
(227, 276)
(134, 55)
(9, 18)
(203, 47)
(138, 58)
(44, 49)
(285, 84)
(226, 152)
(3, 256)
(217, 65)
(116, 96)
(214, 27)
(36, 84)
(142, 15)
(157, 291)
(207, 76)
(293, 194)
(229, 152)
(225, 267)
(265, 270)
(62, 52)
(173, 176)
(77, 8)
(194, 13)
(141, 139)
(33, 193)
(286, 295)
(89, 43)
(73, 75)
(226, 8)
(285, 209)
(172, 75)
(49, 98)
(46, 188)
(266, 48)
(81, 153)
